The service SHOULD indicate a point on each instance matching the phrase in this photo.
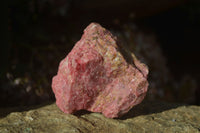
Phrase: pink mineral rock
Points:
(100, 75)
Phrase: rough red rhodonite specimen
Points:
(100, 75)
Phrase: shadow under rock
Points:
(145, 108)
(81, 112)
(149, 107)
(6, 111)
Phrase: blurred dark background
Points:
(163, 34)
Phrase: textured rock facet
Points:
(151, 117)
(100, 75)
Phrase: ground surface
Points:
(146, 117)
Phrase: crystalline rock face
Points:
(100, 75)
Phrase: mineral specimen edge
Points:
(100, 75)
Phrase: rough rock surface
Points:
(154, 117)
(100, 75)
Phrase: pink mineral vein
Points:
(100, 75)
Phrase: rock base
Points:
(153, 117)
